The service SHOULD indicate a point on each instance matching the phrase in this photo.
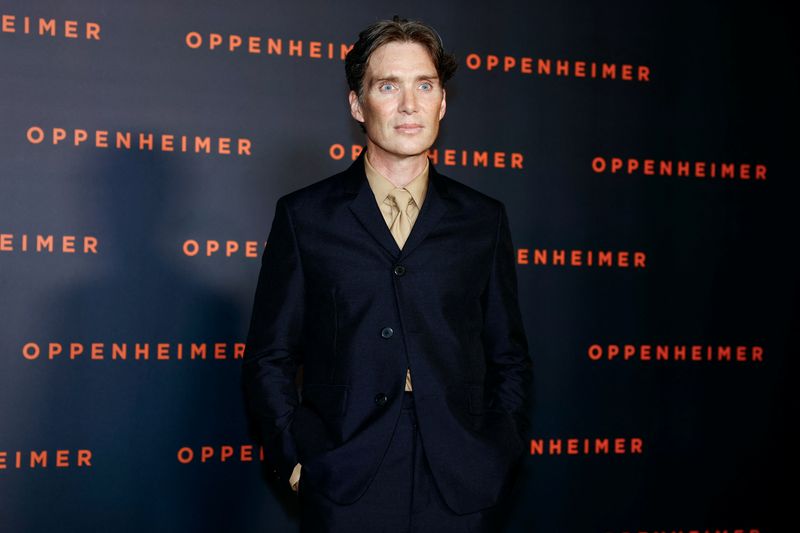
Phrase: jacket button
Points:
(387, 332)
(381, 399)
(399, 270)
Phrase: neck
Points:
(399, 170)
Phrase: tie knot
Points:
(400, 197)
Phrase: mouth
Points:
(409, 128)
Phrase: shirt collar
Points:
(381, 186)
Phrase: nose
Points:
(408, 101)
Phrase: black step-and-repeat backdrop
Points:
(646, 155)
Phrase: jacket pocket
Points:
(492, 421)
(330, 401)
(478, 405)
(476, 400)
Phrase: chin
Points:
(405, 147)
(414, 148)
(412, 151)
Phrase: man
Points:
(395, 289)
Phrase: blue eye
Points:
(427, 86)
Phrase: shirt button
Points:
(387, 332)
(399, 270)
(381, 399)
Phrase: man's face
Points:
(403, 100)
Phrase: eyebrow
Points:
(395, 78)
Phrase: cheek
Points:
(377, 114)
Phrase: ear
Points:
(355, 107)
(443, 105)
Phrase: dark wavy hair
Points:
(402, 30)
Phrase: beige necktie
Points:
(404, 213)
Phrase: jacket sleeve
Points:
(505, 343)
(272, 350)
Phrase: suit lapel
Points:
(368, 213)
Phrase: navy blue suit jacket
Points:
(337, 295)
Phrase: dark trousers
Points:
(402, 498)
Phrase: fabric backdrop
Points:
(645, 154)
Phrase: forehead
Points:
(400, 58)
